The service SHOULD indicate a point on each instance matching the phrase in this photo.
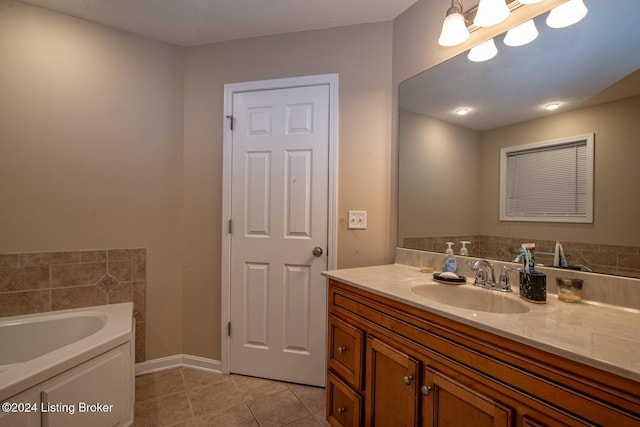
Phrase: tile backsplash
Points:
(37, 282)
(607, 259)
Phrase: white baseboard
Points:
(177, 361)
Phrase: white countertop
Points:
(603, 336)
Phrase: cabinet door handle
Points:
(342, 349)
(408, 379)
(340, 411)
(426, 390)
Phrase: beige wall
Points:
(92, 123)
(616, 208)
(362, 57)
(90, 149)
(439, 177)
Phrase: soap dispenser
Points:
(463, 250)
(450, 263)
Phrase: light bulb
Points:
(483, 52)
(454, 30)
(567, 14)
(491, 12)
(521, 34)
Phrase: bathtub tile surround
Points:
(601, 288)
(607, 259)
(49, 281)
(185, 397)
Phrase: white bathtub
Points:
(59, 356)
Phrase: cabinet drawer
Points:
(344, 406)
(346, 351)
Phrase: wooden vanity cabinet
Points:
(410, 367)
(449, 403)
(392, 391)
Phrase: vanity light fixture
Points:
(463, 111)
(491, 12)
(454, 28)
(521, 34)
(552, 106)
(483, 52)
(567, 14)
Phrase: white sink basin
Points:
(471, 298)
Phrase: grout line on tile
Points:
(184, 387)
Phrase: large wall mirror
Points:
(449, 164)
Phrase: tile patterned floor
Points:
(185, 397)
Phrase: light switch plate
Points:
(357, 220)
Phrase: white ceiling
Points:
(196, 22)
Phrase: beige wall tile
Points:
(140, 300)
(121, 270)
(48, 258)
(65, 275)
(17, 303)
(137, 257)
(141, 345)
(8, 260)
(122, 292)
(76, 297)
(93, 256)
(24, 278)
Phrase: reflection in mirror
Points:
(449, 163)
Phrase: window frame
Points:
(550, 144)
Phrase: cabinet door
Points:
(345, 351)
(344, 406)
(391, 386)
(447, 403)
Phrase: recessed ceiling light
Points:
(462, 111)
(552, 106)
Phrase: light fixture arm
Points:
(456, 7)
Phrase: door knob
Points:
(317, 251)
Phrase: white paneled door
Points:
(279, 213)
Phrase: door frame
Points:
(332, 209)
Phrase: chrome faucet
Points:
(504, 283)
(486, 277)
(484, 273)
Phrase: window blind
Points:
(549, 181)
